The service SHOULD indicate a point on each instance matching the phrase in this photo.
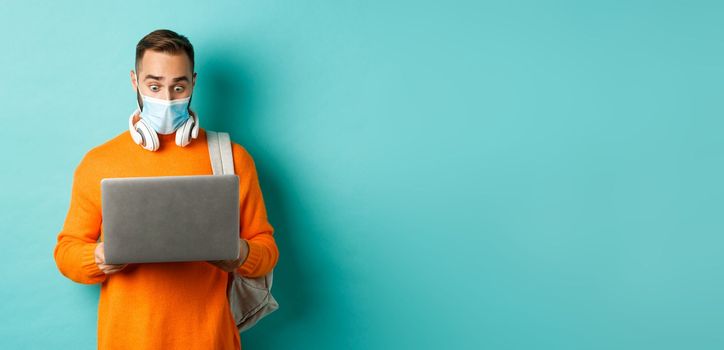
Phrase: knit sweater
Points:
(178, 305)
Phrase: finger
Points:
(113, 267)
(109, 271)
(110, 268)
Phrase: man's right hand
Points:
(101, 261)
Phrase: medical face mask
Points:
(164, 116)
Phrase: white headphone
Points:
(144, 135)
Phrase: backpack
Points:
(250, 299)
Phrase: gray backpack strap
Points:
(222, 159)
(250, 299)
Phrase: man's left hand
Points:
(231, 265)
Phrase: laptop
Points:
(170, 218)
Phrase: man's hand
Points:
(101, 261)
(231, 265)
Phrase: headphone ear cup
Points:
(183, 134)
(195, 129)
(137, 138)
(149, 136)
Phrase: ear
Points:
(133, 80)
(193, 80)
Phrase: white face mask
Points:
(165, 116)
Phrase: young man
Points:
(180, 305)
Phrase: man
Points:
(180, 305)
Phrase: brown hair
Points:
(164, 40)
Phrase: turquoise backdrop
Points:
(440, 174)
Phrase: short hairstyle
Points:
(164, 40)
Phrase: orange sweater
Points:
(180, 305)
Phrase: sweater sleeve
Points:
(254, 224)
(75, 249)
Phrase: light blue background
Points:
(462, 175)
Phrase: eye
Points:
(178, 88)
(154, 88)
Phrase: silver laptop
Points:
(170, 218)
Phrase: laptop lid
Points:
(170, 218)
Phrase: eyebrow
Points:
(175, 80)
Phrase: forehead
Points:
(164, 64)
